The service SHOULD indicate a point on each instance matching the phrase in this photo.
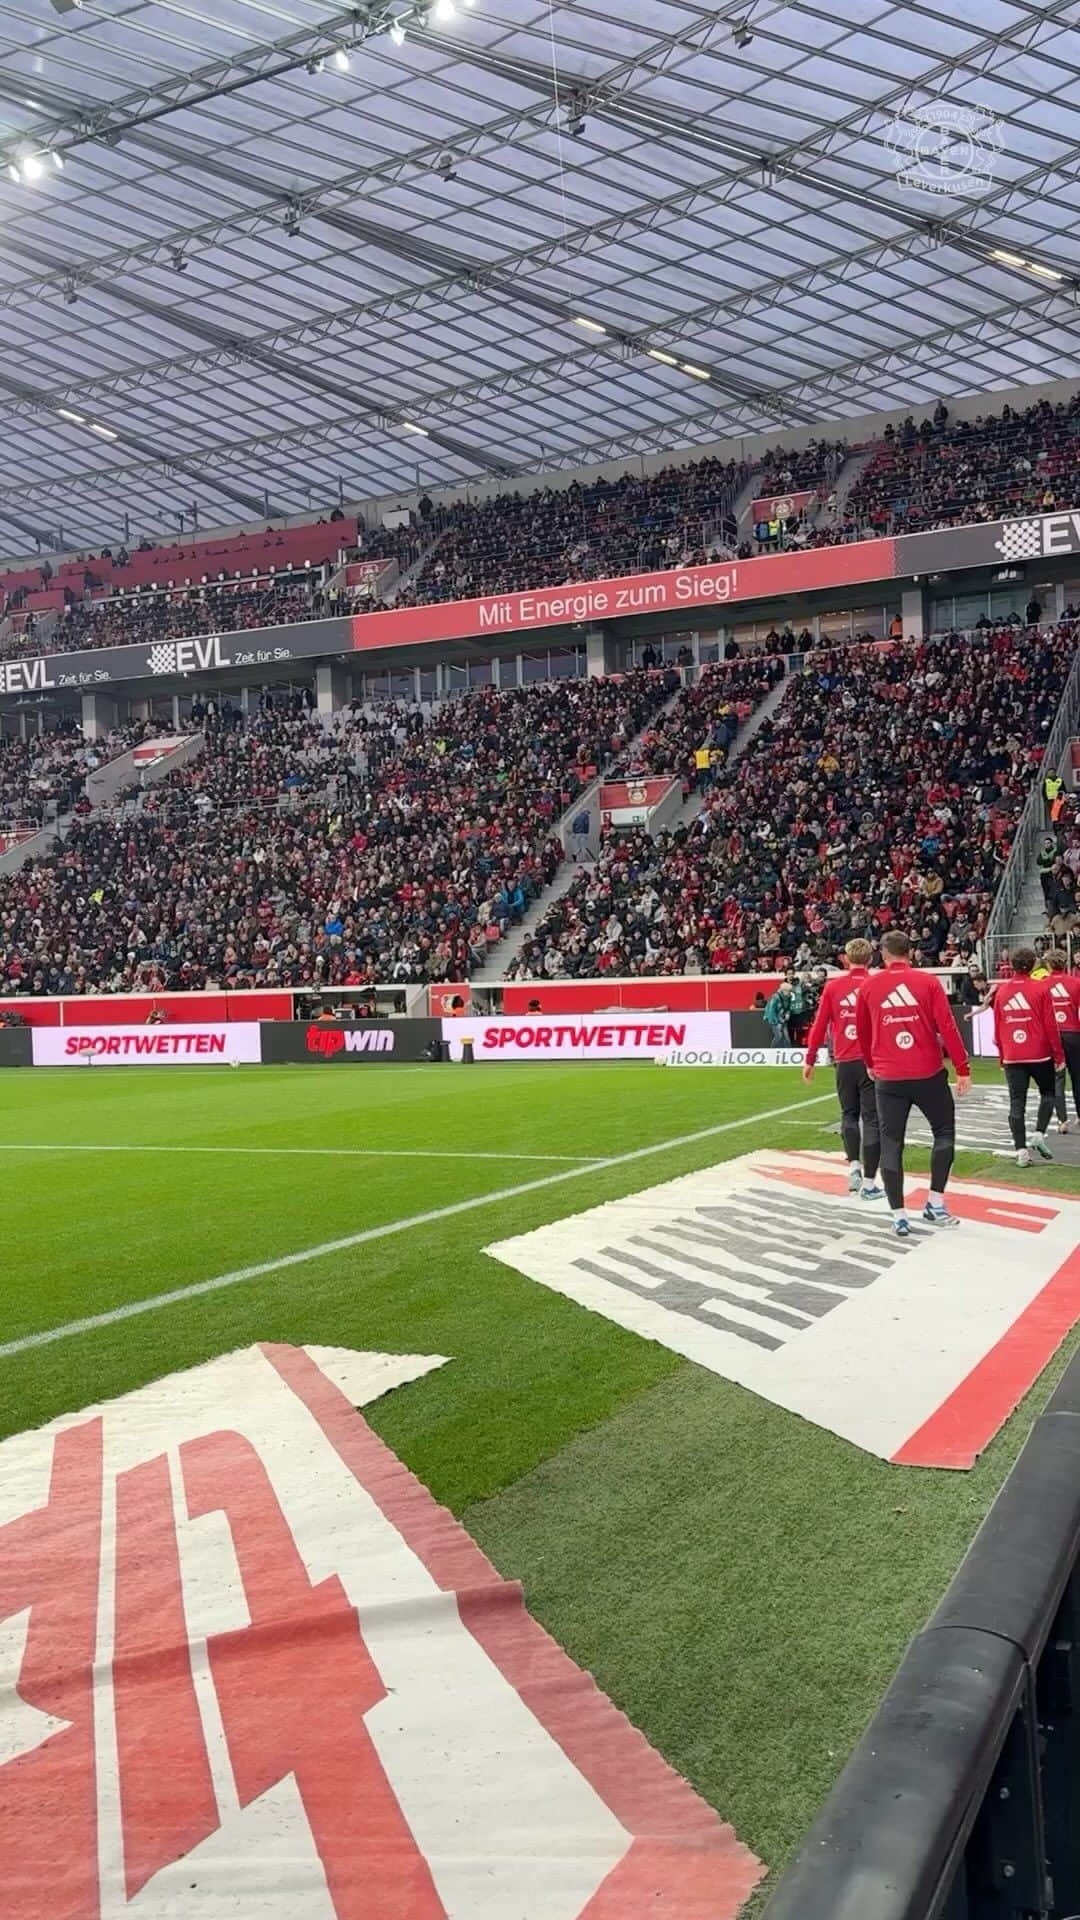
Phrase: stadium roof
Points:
(260, 249)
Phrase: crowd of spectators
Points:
(637, 523)
(933, 473)
(793, 469)
(886, 789)
(43, 776)
(163, 614)
(693, 739)
(393, 846)
(940, 472)
(945, 472)
(1058, 861)
(284, 596)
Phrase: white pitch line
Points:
(349, 1153)
(133, 1308)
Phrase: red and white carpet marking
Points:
(251, 1671)
(767, 1271)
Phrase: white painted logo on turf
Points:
(250, 1668)
(766, 1271)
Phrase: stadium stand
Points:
(258, 580)
(693, 740)
(885, 789)
(942, 473)
(1058, 864)
(920, 475)
(161, 615)
(631, 524)
(791, 469)
(43, 776)
(389, 847)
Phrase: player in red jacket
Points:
(1065, 1000)
(905, 1027)
(1029, 1047)
(858, 1108)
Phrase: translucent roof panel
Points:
(259, 254)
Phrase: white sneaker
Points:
(854, 1178)
(1023, 1158)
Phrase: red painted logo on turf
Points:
(247, 1665)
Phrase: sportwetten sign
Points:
(166, 1046)
(616, 1036)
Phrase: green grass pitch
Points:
(741, 1583)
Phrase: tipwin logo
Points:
(330, 1041)
(325, 1040)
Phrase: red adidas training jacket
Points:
(905, 1026)
(836, 1010)
(1025, 1029)
(1065, 1000)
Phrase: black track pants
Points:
(858, 1116)
(934, 1100)
(1018, 1078)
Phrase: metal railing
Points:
(962, 1800)
(1033, 820)
(14, 832)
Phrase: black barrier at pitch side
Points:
(16, 1047)
(962, 1800)
(350, 1043)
